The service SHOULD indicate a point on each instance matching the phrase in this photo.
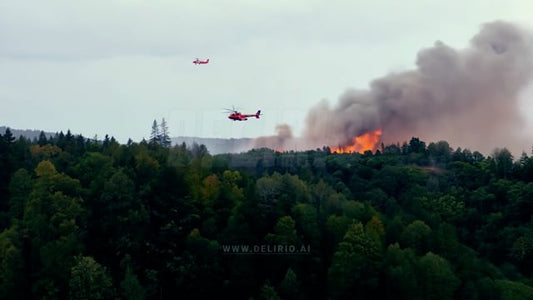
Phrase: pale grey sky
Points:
(102, 66)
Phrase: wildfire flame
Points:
(365, 142)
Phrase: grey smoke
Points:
(468, 97)
(283, 134)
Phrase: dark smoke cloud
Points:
(468, 97)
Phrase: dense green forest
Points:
(94, 219)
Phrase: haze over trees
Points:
(94, 219)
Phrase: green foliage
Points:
(93, 170)
(131, 287)
(444, 208)
(284, 232)
(336, 227)
(89, 280)
(437, 280)
(354, 265)
(51, 221)
(88, 219)
(146, 166)
(510, 290)
(11, 264)
(268, 190)
(268, 292)
(19, 189)
(356, 210)
(375, 226)
(289, 285)
(401, 280)
(306, 218)
(416, 235)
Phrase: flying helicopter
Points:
(200, 62)
(237, 116)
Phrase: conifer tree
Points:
(154, 136)
(42, 139)
(164, 138)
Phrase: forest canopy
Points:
(94, 219)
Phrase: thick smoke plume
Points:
(468, 97)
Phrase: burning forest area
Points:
(365, 142)
(469, 97)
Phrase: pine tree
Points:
(154, 136)
(42, 139)
(164, 138)
(8, 136)
(160, 135)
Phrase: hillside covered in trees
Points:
(89, 219)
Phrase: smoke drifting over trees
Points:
(466, 96)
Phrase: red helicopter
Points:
(237, 116)
(200, 62)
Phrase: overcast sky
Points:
(110, 66)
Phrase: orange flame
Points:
(365, 142)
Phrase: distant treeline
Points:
(30, 134)
(94, 219)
